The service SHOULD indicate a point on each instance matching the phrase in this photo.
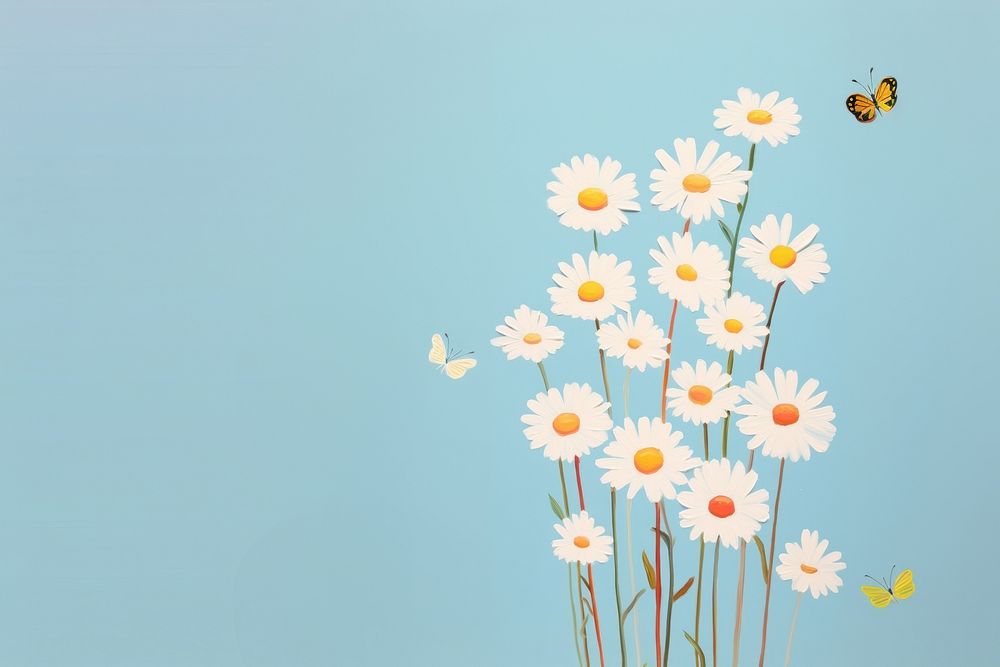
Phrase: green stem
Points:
(631, 579)
(583, 613)
(725, 425)
(791, 631)
(670, 593)
(770, 562)
(697, 600)
(739, 221)
(715, 603)
(595, 240)
(618, 592)
(545, 377)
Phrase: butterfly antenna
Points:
(873, 579)
(871, 82)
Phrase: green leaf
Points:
(727, 232)
(650, 572)
(739, 207)
(698, 653)
(556, 507)
(631, 605)
(764, 569)
(665, 537)
(586, 603)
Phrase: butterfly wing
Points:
(904, 586)
(438, 354)
(862, 107)
(885, 96)
(878, 596)
(459, 367)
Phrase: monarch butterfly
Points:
(444, 358)
(882, 99)
(882, 594)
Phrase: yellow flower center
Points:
(634, 343)
(782, 256)
(686, 272)
(592, 199)
(696, 183)
(590, 291)
(700, 394)
(785, 414)
(722, 506)
(581, 542)
(532, 338)
(648, 460)
(566, 423)
(760, 117)
(733, 326)
(808, 569)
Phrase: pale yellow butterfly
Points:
(444, 357)
(881, 595)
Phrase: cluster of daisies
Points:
(718, 499)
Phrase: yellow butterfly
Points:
(881, 595)
(882, 100)
(444, 358)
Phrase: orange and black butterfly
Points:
(880, 100)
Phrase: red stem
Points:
(666, 364)
(597, 619)
(579, 483)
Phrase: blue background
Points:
(228, 230)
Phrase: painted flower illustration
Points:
(591, 196)
(809, 567)
(647, 455)
(528, 335)
(695, 186)
(770, 119)
(788, 420)
(592, 290)
(722, 505)
(774, 256)
(568, 423)
(637, 341)
(693, 275)
(734, 324)
(702, 394)
(581, 540)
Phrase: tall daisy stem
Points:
(628, 546)
(791, 630)
(658, 593)
(725, 425)
(739, 222)
(770, 562)
(590, 569)
(701, 568)
(715, 604)
(670, 594)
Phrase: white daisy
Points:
(789, 421)
(637, 342)
(697, 186)
(647, 455)
(702, 395)
(592, 290)
(527, 334)
(687, 273)
(734, 323)
(775, 256)
(722, 505)
(581, 541)
(807, 565)
(568, 423)
(592, 196)
(756, 118)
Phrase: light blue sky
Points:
(228, 230)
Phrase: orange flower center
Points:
(700, 394)
(566, 423)
(532, 338)
(782, 256)
(648, 460)
(759, 117)
(722, 506)
(592, 199)
(634, 343)
(581, 541)
(686, 272)
(808, 569)
(733, 326)
(590, 291)
(785, 414)
(696, 183)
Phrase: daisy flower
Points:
(647, 455)
(687, 273)
(702, 395)
(592, 290)
(755, 118)
(592, 196)
(637, 342)
(807, 565)
(774, 256)
(734, 324)
(568, 423)
(789, 421)
(696, 186)
(581, 541)
(721, 504)
(527, 334)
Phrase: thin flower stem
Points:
(583, 613)
(791, 630)
(715, 605)
(670, 598)
(670, 344)
(545, 377)
(701, 567)
(658, 593)
(770, 317)
(631, 579)
(595, 240)
(770, 562)
(725, 425)
(590, 569)
(739, 222)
